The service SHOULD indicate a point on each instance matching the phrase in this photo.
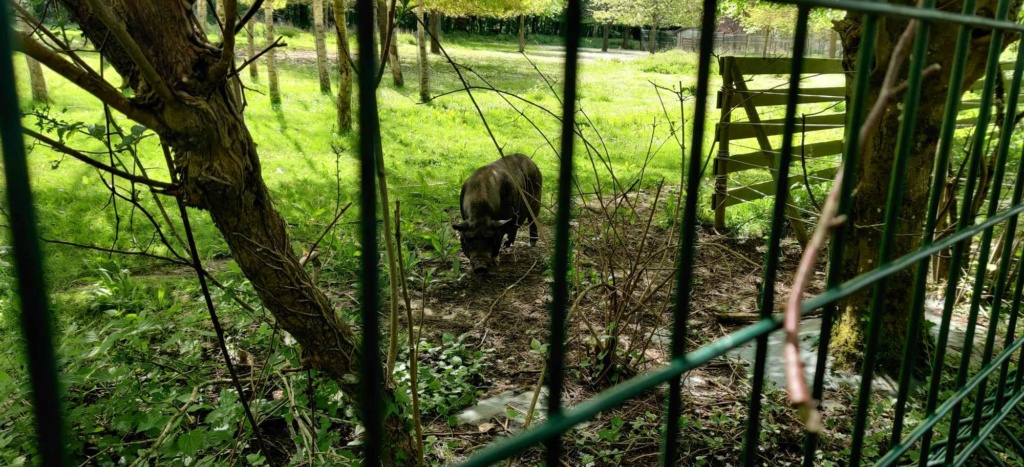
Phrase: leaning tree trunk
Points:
(653, 39)
(421, 43)
(604, 41)
(386, 27)
(202, 15)
(36, 79)
(321, 46)
(268, 32)
(435, 32)
(867, 211)
(344, 69)
(250, 30)
(185, 95)
(522, 33)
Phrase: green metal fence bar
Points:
(993, 72)
(560, 292)
(851, 158)
(946, 132)
(935, 416)
(28, 262)
(1011, 329)
(904, 11)
(1006, 258)
(893, 205)
(371, 377)
(771, 261)
(688, 237)
(982, 435)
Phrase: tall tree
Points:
(421, 43)
(321, 46)
(872, 177)
(268, 33)
(250, 31)
(604, 37)
(386, 26)
(435, 31)
(36, 79)
(344, 69)
(768, 18)
(185, 94)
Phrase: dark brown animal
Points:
(493, 207)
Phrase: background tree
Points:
(872, 177)
(652, 13)
(767, 18)
(216, 168)
(35, 72)
(250, 32)
(274, 89)
(421, 43)
(389, 51)
(344, 68)
(321, 46)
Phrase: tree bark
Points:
(344, 69)
(625, 37)
(604, 41)
(268, 31)
(219, 10)
(202, 15)
(36, 79)
(653, 39)
(386, 26)
(522, 33)
(321, 46)
(421, 43)
(833, 37)
(767, 40)
(435, 32)
(216, 160)
(867, 211)
(250, 30)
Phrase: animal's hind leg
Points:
(533, 233)
(511, 236)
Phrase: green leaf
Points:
(190, 443)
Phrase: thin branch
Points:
(312, 248)
(39, 26)
(115, 251)
(248, 15)
(88, 82)
(117, 28)
(60, 147)
(277, 43)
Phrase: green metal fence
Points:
(967, 436)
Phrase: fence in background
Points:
(970, 436)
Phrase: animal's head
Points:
(481, 241)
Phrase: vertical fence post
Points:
(722, 161)
(35, 313)
(560, 288)
(371, 377)
(688, 235)
(767, 294)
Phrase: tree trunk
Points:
(202, 15)
(833, 37)
(321, 46)
(217, 163)
(344, 69)
(625, 37)
(36, 79)
(268, 31)
(604, 41)
(522, 33)
(220, 18)
(767, 40)
(653, 39)
(421, 43)
(435, 32)
(385, 26)
(867, 211)
(250, 30)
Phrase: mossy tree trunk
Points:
(184, 94)
(344, 69)
(271, 55)
(872, 179)
(321, 46)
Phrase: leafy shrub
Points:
(450, 375)
(672, 62)
(290, 32)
